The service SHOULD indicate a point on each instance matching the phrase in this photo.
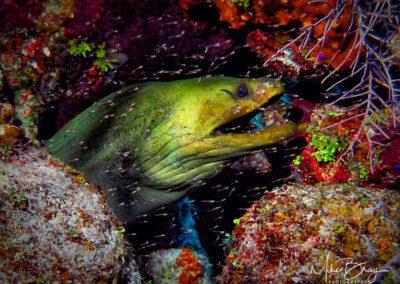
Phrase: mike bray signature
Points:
(350, 269)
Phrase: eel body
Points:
(150, 144)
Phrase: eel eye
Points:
(242, 91)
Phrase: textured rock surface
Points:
(178, 266)
(316, 233)
(55, 226)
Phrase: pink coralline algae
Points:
(297, 233)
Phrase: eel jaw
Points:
(267, 116)
(233, 140)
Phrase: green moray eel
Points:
(150, 144)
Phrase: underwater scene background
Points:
(283, 157)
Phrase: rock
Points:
(9, 134)
(55, 226)
(304, 233)
(180, 265)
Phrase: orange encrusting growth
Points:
(191, 267)
(331, 41)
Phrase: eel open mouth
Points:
(271, 114)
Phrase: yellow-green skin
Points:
(150, 144)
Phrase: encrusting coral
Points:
(55, 225)
(191, 267)
(299, 232)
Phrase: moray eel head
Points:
(198, 144)
(150, 144)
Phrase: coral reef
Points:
(331, 20)
(126, 42)
(348, 45)
(55, 225)
(303, 233)
(191, 268)
(10, 133)
(177, 266)
(31, 57)
(329, 131)
(57, 57)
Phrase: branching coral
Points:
(371, 47)
(376, 92)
